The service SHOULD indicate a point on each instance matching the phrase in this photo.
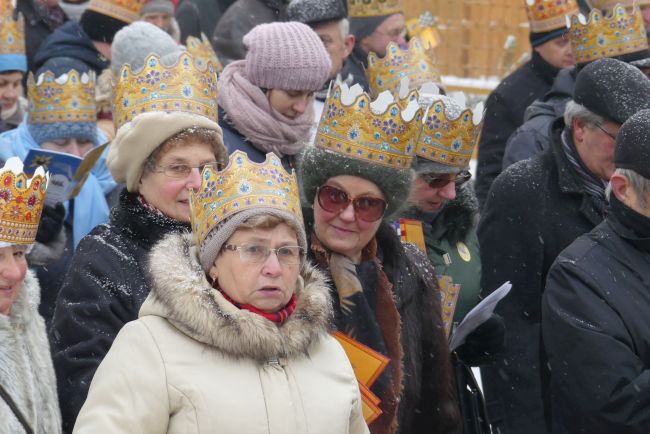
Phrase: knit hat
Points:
(151, 6)
(633, 144)
(548, 19)
(288, 56)
(312, 12)
(612, 89)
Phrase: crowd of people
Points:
(278, 231)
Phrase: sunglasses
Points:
(441, 181)
(366, 208)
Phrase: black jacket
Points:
(36, 29)
(103, 290)
(596, 331)
(504, 112)
(536, 208)
(355, 65)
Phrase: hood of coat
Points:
(182, 294)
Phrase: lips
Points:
(270, 290)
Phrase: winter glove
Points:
(51, 223)
(483, 344)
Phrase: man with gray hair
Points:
(535, 209)
(595, 306)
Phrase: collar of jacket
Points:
(182, 294)
(629, 224)
(544, 69)
(359, 56)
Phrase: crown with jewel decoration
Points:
(417, 63)
(240, 186)
(203, 52)
(547, 15)
(380, 132)
(68, 98)
(127, 11)
(182, 87)
(373, 8)
(12, 33)
(600, 36)
(21, 202)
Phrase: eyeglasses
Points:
(179, 170)
(393, 34)
(600, 127)
(366, 208)
(441, 181)
(256, 254)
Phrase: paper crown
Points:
(202, 51)
(547, 15)
(600, 36)
(240, 186)
(380, 132)
(123, 10)
(417, 63)
(604, 5)
(67, 98)
(182, 87)
(12, 36)
(21, 202)
(373, 8)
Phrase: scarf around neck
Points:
(278, 317)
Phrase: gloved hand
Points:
(483, 344)
(51, 223)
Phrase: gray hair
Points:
(640, 185)
(344, 28)
(574, 110)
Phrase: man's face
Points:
(557, 52)
(158, 19)
(338, 47)
(392, 29)
(595, 145)
(11, 87)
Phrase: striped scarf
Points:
(278, 317)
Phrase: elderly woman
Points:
(28, 399)
(233, 337)
(355, 177)
(267, 98)
(159, 149)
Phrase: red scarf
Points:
(278, 317)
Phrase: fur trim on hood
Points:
(461, 214)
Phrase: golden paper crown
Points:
(240, 186)
(381, 132)
(21, 202)
(598, 37)
(373, 8)
(203, 52)
(547, 15)
(450, 141)
(182, 87)
(604, 5)
(417, 63)
(68, 98)
(123, 10)
(12, 31)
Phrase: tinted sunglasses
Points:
(442, 180)
(366, 208)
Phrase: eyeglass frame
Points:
(215, 165)
(351, 200)
(268, 250)
(600, 127)
(461, 178)
(401, 33)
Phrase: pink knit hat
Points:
(288, 56)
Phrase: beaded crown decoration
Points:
(203, 52)
(242, 185)
(373, 8)
(123, 10)
(417, 63)
(182, 87)
(599, 36)
(21, 202)
(67, 98)
(380, 132)
(547, 15)
(12, 30)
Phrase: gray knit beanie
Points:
(164, 6)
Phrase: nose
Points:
(400, 39)
(448, 191)
(272, 266)
(194, 179)
(11, 93)
(11, 270)
(74, 148)
(301, 105)
(348, 213)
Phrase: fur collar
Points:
(182, 294)
(461, 214)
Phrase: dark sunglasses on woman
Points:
(439, 181)
(366, 208)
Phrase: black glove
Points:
(483, 344)
(51, 223)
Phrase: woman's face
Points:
(290, 103)
(267, 285)
(77, 147)
(164, 188)
(343, 232)
(11, 87)
(13, 267)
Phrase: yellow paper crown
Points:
(450, 141)
(417, 63)
(599, 36)
(604, 5)
(373, 8)
(203, 52)
(547, 15)
(21, 202)
(240, 186)
(12, 31)
(123, 10)
(381, 132)
(68, 98)
(182, 87)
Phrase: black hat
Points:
(100, 27)
(633, 144)
(312, 12)
(612, 89)
(538, 38)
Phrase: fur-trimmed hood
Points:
(182, 294)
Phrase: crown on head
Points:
(450, 141)
(12, 30)
(203, 52)
(600, 36)
(373, 8)
(182, 87)
(67, 98)
(417, 63)
(123, 10)
(21, 202)
(547, 15)
(604, 5)
(240, 186)
(380, 132)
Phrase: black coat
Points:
(536, 208)
(597, 334)
(504, 112)
(103, 290)
(36, 29)
(355, 65)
